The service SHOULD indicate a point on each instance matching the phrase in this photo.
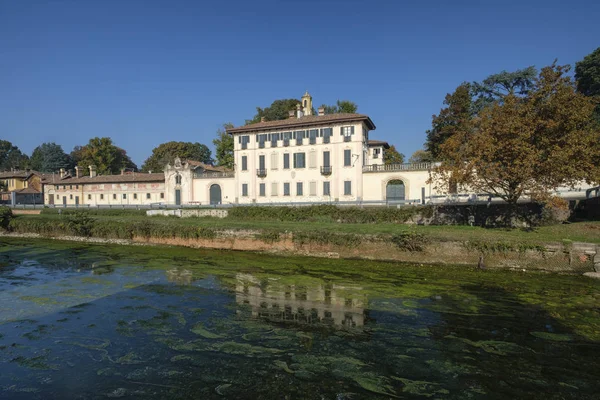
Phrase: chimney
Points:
(78, 172)
(150, 171)
(299, 111)
(262, 119)
(321, 111)
(292, 113)
(92, 171)
(62, 173)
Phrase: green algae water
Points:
(80, 321)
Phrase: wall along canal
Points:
(98, 321)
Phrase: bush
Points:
(5, 217)
(410, 241)
(80, 223)
(107, 212)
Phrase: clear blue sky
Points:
(145, 72)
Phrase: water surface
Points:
(95, 322)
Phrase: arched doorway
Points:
(395, 190)
(215, 194)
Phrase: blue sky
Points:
(147, 72)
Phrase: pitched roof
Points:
(207, 167)
(309, 120)
(379, 143)
(127, 178)
(18, 174)
(27, 191)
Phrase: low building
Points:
(126, 189)
(21, 187)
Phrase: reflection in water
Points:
(313, 303)
(182, 277)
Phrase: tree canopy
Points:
(101, 152)
(11, 156)
(50, 157)
(166, 152)
(587, 74)
(420, 156)
(278, 110)
(341, 106)
(525, 145)
(392, 156)
(224, 147)
(496, 87)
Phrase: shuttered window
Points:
(347, 188)
(274, 161)
(312, 159)
(244, 163)
(299, 189)
(299, 160)
(347, 158)
(262, 189)
(312, 188)
(286, 161)
(274, 189)
(244, 189)
(326, 189)
(286, 189)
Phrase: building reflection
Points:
(179, 276)
(316, 303)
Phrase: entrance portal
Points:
(215, 194)
(395, 191)
(177, 197)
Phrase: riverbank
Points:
(549, 248)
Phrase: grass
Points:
(576, 232)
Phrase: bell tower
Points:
(307, 104)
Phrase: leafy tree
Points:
(50, 157)
(587, 74)
(341, 107)
(420, 156)
(455, 117)
(101, 152)
(525, 146)
(278, 110)
(11, 156)
(224, 146)
(166, 152)
(497, 86)
(392, 156)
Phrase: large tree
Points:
(456, 116)
(341, 107)
(392, 156)
(525, 145)
(50, 157)
(587, 74)
(420, 156)
(11, 156)
(496, 87)
(278, 110)
(166, 152)
(101, 152)
(224, 147)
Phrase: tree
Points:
(587, 74)
(101, 152)
(11, 156)
(166, 152)
(420, 156)
(496, 87)
(278, 110)
(224, 147)
(525, 146)
(392, 156)
(341, 107)
(456, 116)
(50, 157)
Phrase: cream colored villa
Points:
(303, 159)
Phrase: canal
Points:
(84, 321)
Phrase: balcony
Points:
(397, 167)
(261, 173)
(273, 143)
(347, 138)
(326, 170)
(326, 139)
(286, 142)
(244, 146)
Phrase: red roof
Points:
(310, 120)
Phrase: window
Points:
(114, 196)
(376, 153)
(347, 130)
(326, 189)
(347, 188)
(162, 195)
(70, 197)
(77, 187)
(55, 187)
(57, 197)
(262, 189)
(312, 188)
(286, 189)
(286, 161)
(299, 189)
(244, 140)
(274, 161)
(244, 163)
(135, 196)
(274, 187)
(89, 196)
(102, 197)
(64, 187)
(124, 196)
(347, 158)
(177, 180)
(299, 160)
(312, 135)
(312, 159)
(71, 187)
(299, 135)
(244, 189)
(147, 196)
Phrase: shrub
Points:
(410, 241)
(80, 223)
(5, 217)
(107, 212)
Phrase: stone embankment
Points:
(555, 257)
